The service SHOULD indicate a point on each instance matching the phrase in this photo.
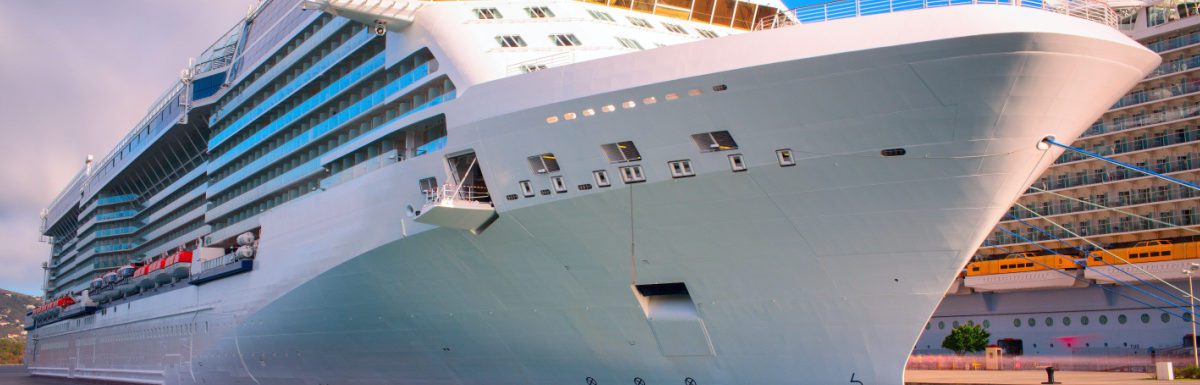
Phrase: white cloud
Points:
(74, 78)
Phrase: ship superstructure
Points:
(457, 192)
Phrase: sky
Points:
(75, 76)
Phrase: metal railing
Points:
(111, 200)
(541, 63)
(1138, 144)
(219, 261)
(1092, 10)
(1170, 90)
(1115, 174)
(1175, 42)
(1132, 199)
(1123, 226)
(454, 192)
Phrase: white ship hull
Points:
(824, 272)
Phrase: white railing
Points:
(1093, 10)
(453, 192)
(219, 261)
(542, 63)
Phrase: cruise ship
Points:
(1132, 303)
(558, 192)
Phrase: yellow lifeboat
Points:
(1162, 258)
(1024, 271)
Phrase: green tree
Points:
(966, 339)
(11, 351)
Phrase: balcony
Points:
(123, 246)
(124, 230)
(1114, 175)
(1133, 199)
(1175, 66)
(1175, 42)
(116, 215)
(1095, 11)
(1102, 229)
(112, 200)
(1139, 144)
(1159, 93)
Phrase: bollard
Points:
(1050, 376)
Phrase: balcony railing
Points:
(1114, 175)
(112, 200)
(1092, 10)
(1175, 66)
(1175, 42)
(1138, 144)
(1133, 199)
(123, 214)
(1100, 229)
(116, 231)
(1150, 95)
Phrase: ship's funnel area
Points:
(673, 319)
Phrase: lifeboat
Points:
(97, 291)
(1162, 258)
(142, 276)
(174, 267)
(82, 304)
(125, 282)
(51, 310)
(1025, 271)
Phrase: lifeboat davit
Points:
(126, 284)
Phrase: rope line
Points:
(1122, 164)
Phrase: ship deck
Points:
(1023, 377)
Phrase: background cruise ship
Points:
(1105, 313)
(552, 192)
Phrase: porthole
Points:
(954, 324)
(987, 324)
(1121, 319)
(589, 112)
(1049, 321)
(649, 100)
(608, 108)
(1066, 321)
(1083, 320)
(552, 119)
(628, 104)
(1016, 322)
(941, 325)
(1145, 318)
(1165, 317)
(569, 116)
(1031, 322)
(695, 92)
(1103, 319)
(671, 96)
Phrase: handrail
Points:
(1092, 10)
(454, 192)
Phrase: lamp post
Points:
(1192, 314)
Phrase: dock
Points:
(1028, 377)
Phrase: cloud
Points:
(74, 79)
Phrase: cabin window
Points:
(736, 163)
(539, 12)
(715, 141)
(602, 16)
(681, 168)
(526, 188)
(639, 22)
(785, 158)
(1121, 319)
(621, 152)
(510, 41)
(544, 163)
(565, 40)
(629, 43)
(706, 33)
(1145, 318)
(675, 28)
(429, 186)
(632, 174)
(1154, 254)
(559, 185)
(488, 13)
(601, 177)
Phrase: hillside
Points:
(12, 313)
(12, 317)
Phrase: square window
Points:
(629, 43)
(639, 22)
(737, 163)
(488, 13)
(681, 168)
(785, 157)
(632, 174)
(544, 163)
(560, 186)
(675, 28)
(539, 12)
(601, 177)
(706, 33)
(602, 16)
(526, 188)
(565, 40)
(510, 41)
